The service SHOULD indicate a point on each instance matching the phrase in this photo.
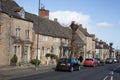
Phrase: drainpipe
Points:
(9, 52)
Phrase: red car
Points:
(90, 62)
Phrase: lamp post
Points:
(110, 49)
(74, 27)
(36, 65)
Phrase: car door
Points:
(75, 63)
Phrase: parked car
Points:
(100, 61)
(115, 60)
(69, 64)
(90, 62)
(118, 60)
(109, 60)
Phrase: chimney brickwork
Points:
(44, 13)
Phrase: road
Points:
(107, 72)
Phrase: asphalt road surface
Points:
(106, 72)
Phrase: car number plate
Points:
(62, 64)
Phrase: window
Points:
(55, 50)
(45, 38)
(17, 32)
(15, 49)
(44, 50)
(56, 40)
(22, 13)
(0, 29)
(26, 34)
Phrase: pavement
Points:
(10, 72)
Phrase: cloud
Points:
(65, 17)
(104, 24)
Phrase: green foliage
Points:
(14, 59)
(34, 61)
(52, 56)
(48, 55)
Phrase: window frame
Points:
(18, 32)
(27, 34)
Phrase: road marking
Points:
(111, 73)
(105, 78)
(109, 76)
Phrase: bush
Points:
(47, 55)
(52, 56)
(14, 59)
(34, 61)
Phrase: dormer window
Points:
(22, 13)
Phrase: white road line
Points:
(109, 76)
(105, 78)
(111, 73)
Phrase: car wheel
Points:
(56, 69)
(78, 68)
(71, 69)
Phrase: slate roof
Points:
(11, 8)
(83, 30)
(78, 40)
(41, 26)
(47, 27)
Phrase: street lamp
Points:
(74, 27)
(36, 65)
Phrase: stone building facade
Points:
(15, 38)
(15, 33)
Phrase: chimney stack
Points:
(44, 13)
(55, 20)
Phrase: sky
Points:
(100, 17)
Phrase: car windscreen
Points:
(64, 60)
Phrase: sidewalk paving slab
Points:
(9, 72)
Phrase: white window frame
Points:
(17, 32)
(45, 38)
(56, 39)
(27, 34)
